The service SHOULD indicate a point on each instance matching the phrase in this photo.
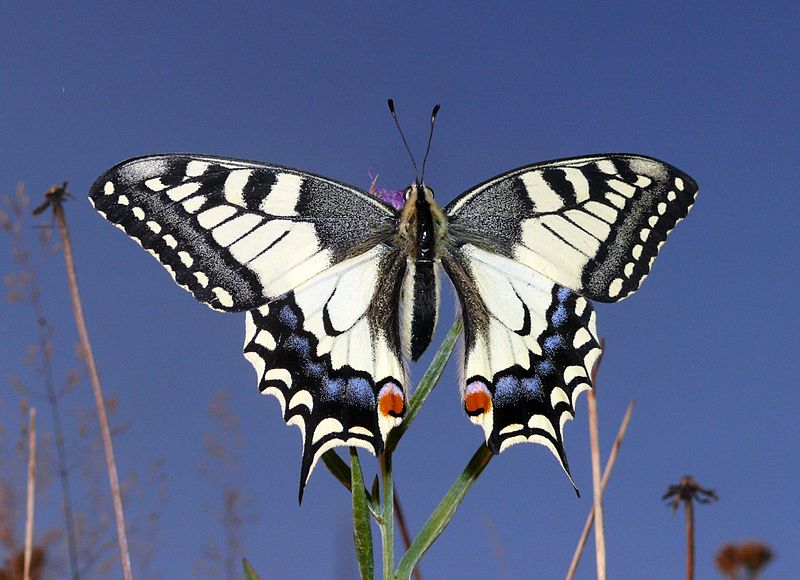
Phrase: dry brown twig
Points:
(597, 491)
(403, 527)
(54, 198)
(29, 504)
(612, 458)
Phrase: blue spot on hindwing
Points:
(315, 369)
(532, 387)
(559, 316)
(299, 344)
(359, 392)
(510, 390)
(332, 388)
(545, 367)
(288, 318)
(553, 343)
(505, 390)
(563, 294)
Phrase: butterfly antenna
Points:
(430, 138)
(396, 122)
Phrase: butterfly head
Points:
(420, 201)
(418, 193)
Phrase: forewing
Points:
(530, 346)
(329, 352)
(592, 224)
(237, 233)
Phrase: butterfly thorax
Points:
(420, 235)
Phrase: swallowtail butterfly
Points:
(339, 288)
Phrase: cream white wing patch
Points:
(335, 371)
(528, 354)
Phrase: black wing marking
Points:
(237, 233)
(593, 224)
(329, 352)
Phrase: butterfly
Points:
(340, 289)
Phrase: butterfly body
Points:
(421, 232)
(340, 288)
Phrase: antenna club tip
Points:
(436, 109)
(390, 102)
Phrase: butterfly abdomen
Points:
(424, 295)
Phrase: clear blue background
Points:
(707, 347)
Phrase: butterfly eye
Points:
(429, 191)
(407, 193)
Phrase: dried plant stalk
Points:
(54, 198)
(599, 531)
(597, 492)
(26, 570)
(688, 491)
(612, 458)
(689, 508)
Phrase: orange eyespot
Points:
(390, 401)
(477, 400)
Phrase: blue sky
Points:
(706, 347)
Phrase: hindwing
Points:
(329, 352)
(530, 346)
(593, 224)
(237, 233)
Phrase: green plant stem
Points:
(444, 512)
(362, 529)
(387, 516)
(249, 573)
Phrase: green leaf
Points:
(387, 517)
(376, 488)
(426, 385)
(374, 499)
(444, 512)
(362, 529)
(249, 573)
(337, 467)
